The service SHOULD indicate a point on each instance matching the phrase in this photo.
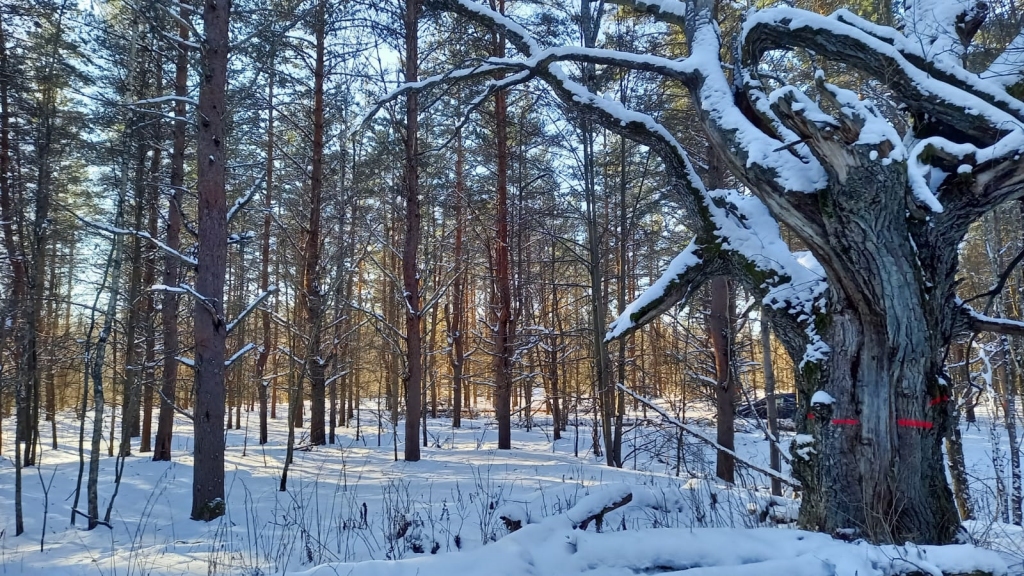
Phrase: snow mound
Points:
(551, 548)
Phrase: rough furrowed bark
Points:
(875, 467)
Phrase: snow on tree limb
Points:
(974, 321)
(238, 355)
(776, 276)
(481, 70)
(684, 275)
(669, 11)
(747, 245)
(144, 235)
(941, 29)
(1007, 70)
(243, 200)
(786, 281)
(250, 308)
(952, 95)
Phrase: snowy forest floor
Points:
(352, 502)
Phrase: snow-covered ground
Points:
(352, 502)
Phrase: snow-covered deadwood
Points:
(561, 544)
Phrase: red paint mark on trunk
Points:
(910, 423)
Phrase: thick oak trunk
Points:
(876, 469)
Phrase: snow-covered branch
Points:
(1007, 69)
(144, 235)
(163, 99)
(978, 108)
(238, 355)
(243, 200)
(482, 70)
(684, 275)
(978, 322)
(746, 244)
(251, 307)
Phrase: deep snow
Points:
(352, 502)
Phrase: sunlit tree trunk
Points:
(504, 329)
(208, 311)
(172, 238)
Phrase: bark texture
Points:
(208, 312)
(503, 329)
(410, 269)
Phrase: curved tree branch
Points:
(962, 100)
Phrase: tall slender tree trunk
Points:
(44, 141)
(95, 368)
(458, 311)
(720, 326)
(769, 392)
(504, 334)
(169, 304)
(604, 390)
(410, 270)
(312, 294)
(262, 383)
(623, 286)
(51, 348)
(149, 310)
(553, 347)
(15, 255)
(1006, 383)
(17, 262)
(130, 393)
(208, 313)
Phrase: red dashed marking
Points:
(939, 400)
(909, 423)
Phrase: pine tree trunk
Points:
(457, 318)
(149, 312)
(504, 330)
(410, 270)
(14, 254)
(769, 393)
(312, 293)
(720, 327)
(169, 304)
(263, 384)
(130, 424)
(208, 313)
